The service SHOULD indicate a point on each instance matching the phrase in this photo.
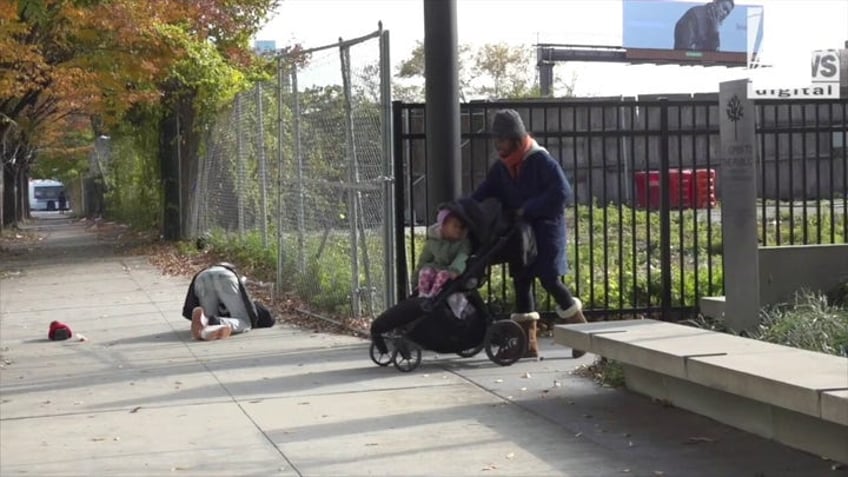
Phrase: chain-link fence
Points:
(299, 172)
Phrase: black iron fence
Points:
(645, 226)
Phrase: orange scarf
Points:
(514, 160)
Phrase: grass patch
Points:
(812, 321)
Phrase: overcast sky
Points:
(792, 30)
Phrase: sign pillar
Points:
(738, 179)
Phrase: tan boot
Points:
(573, 315)
(528, 324)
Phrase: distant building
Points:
(265, 46)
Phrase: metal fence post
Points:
(280, 144)
(353, 179)
(260, 146)
(665, 212)
(241, 173)
(299, 155)
(388, 171)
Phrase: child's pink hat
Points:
(442, 215)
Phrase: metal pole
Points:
(241, 173)
(180, 228)
(402, 279)
(262, 166)
(388, 171)
(353, 173)
(299, 155)
(280, 143)
(442, 97)
(546, 72)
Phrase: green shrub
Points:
(809, 322)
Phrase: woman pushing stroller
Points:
(530, 183)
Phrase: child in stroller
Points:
(454, 319)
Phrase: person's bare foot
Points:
(223, 332)
(197, 322)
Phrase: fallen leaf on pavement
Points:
(135, 409)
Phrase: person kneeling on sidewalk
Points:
(218, 305)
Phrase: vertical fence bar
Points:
(634, 202)
(576, 188)
(353, 180)
(696, 205)
(410, 176)
(241, 169)
(260, 146)
(831, 173)
(682, 200)
(844, 170)
(621, 168)
(280, 167)
(390, 176)
(778, 197)
(665, 212)
(761, 118)
(709, 211)
(804, 172)
(402, 272)
(791, 162)
(298, 153)
(605, 203)
(818, 179)
(590, 163)
(649, 206)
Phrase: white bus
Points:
(44, 195)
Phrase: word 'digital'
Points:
(824, 81)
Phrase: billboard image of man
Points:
(698, 28)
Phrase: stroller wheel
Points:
(505, 342)
(380, 359)
(407, 357)
(468, 353)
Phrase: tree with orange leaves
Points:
(61, 59)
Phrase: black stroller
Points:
(401, 332)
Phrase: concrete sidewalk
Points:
(139, 397)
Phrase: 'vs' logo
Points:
(825, 66)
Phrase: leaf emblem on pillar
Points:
(735, 112)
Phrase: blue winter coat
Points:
(543, 192)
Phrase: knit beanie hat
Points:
(507, 124)
(442, 216)
(58, 331)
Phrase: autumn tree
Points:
(136, 61)
(408, 85)
(62, 59)
(504, 71)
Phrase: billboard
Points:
(711, 26)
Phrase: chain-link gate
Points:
(300, 169)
